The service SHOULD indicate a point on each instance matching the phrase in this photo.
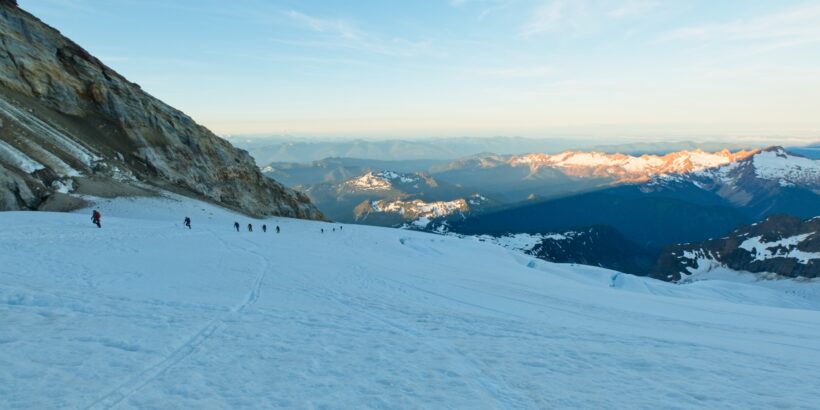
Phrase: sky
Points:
(610, 69)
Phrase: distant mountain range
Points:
(389, 198)
(289, 149)
(623, 210)
(332, 170)
(810, 151)
(627, 168)
(512, 178)
(723, 188)
(668, 209)
(676, 207)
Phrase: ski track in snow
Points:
(188, 348)
(370, 318)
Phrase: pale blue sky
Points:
(604, 68)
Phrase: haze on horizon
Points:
(536, 68)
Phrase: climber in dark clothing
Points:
(250, 228)
(277, 228)
(323, 230)
(264, 228)
(187, 222)
(95, 218)
(236, 225)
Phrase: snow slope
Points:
(783, 248)
(788, 170)
(146, 314)
(524, 242)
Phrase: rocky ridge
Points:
(628, 168)
(417, 211)
(595, 245)
(70, 123)
(771, 181)
(780, 245)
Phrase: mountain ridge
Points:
(70, 122)
(780, 245)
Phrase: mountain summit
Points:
(69, 123)
(628, 168)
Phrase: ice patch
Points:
(41, 128)
(63, 187)
(17, 159)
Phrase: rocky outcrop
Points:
(66, 117)
(599, 245)
(780, 245)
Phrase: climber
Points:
(95, 218)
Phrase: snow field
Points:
(787, 169)
(146, 314)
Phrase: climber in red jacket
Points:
(95, 218)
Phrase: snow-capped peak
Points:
(773, 164)
(370, 182)
(420, 211)
(394, 176)
(379, 180)
(628, 167)
(781, 248)
(776, 164)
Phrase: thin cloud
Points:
(547, 17)
(343, 34)
(333, 26)
(581, 16)
(798, 24)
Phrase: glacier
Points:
(144, 313)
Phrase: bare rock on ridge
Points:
(65, 116)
